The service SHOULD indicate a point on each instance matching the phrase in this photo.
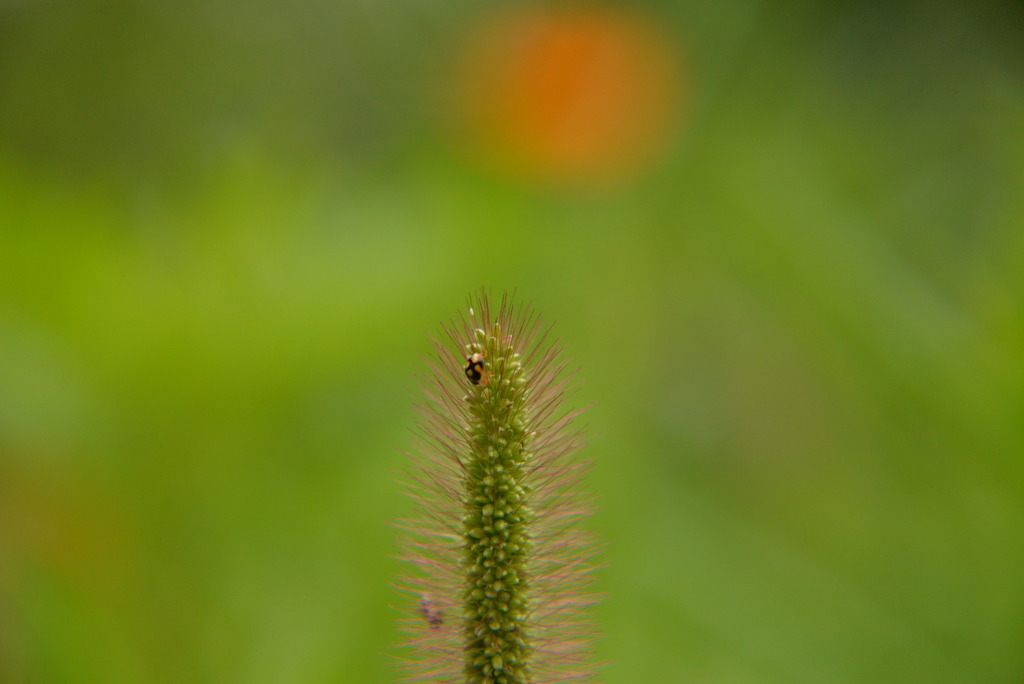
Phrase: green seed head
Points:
(494, 481)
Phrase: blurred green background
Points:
(228, 228)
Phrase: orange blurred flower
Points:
(580, 96)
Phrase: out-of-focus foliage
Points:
(226, 229)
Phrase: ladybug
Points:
(475, 368)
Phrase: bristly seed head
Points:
(493, 543)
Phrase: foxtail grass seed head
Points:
(496, 587)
